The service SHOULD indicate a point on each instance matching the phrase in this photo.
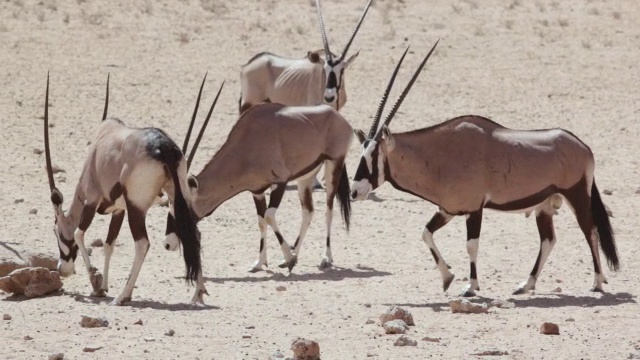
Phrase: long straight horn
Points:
(406, 90)
(47, 152)
(204, 126)
(353, 35)
(383, 102)
(193, 117)
(106, 100)
(323, 32)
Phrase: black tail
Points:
(344, 198)
(186, 229)
(605, 232)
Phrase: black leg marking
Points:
(114, 226)
(435, 256)
(474, 223)
(474, 275)
(261, 205)
(137, 222)
(437, 221)
(280, 238)
(276, 195)
(261, 244)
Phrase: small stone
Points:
(548, 328)
(246, 336)
(92, 322)
(149, 339)
(169, 332)
(491, 353)
(430, 339)
(277, 355)
(404, 340)
(281, 288)
(56, 169)
(557, 290)
(369, 321)
(6, 317)
(367, 305)
(304, 349)
(37, 151)
(559, 281)
(467, 307)
(27, 338)
(97, 243)
(43, 260)
(395, 327)
(138, 322)
(570, 320)
(502, 304)
(18, 201)
(91, 348)
(250, 327)
(89, 251)
(607, 192)
(394, 313)
(58, 356)
(33, 211)
(638, 190)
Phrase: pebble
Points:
(394, 313)
(58, 356)
(281, 288)
(138, 322)
(404, 340)
(638, 190)
(91, 348)
(548, 328)
(97, 243)
(467, 307)
(27, 337)
(149, 339)
(170, 332)
(305, 349)
(33, 211)
(369, 321)
(6, 317)
(37, 151)
(246, 336)
(557, 290)
(91, 322)
(607, 192)
(395, 327)
(17, 201)
(430, 339)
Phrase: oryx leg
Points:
(474, 222)
(270, 217)
(88, 212)
(114, 229)
(261, 208)
(333, 171)
(137, 224)
(201, 290)
(305, 190)
(439, 219)
(580, 202)
(544, 221)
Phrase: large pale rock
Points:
(304, 349)
(467, 307)
(404, 340)
(31, 282)
(9, 265)
(396, 326)
(397, 313)
(44, 261)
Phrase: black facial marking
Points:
(71, 245)
(362, 172)
(332, 82)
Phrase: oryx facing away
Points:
(315, 79)
(125, 170)
(470, 163)
(269, 146)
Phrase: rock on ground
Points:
(97, 243)
(467, 307)
(404, 340)
(6, 317)
(58, 356)
(502, 304)
(395, 327)
(44, 261)
(31, 282)
(397, 313)
(548, 328)
(304, 349)
(9, 265)
(92, 322)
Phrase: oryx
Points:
(269, 146)
(470, 163)
(312, 80)
(125, 170)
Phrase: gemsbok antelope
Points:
(269, 146)
(470, 163)
(125, 170)
(312, 80)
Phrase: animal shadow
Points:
(142, 304)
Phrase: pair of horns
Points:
(324, 33)
(204, 125)
(47, 151)
(374, 132)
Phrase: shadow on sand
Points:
(544, 301)
(333, 274)
(141, 304)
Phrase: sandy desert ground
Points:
(526, 64)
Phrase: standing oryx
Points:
(470, 163)
(125, 171)
(315, 79)
(270, 145)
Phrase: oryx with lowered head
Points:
(124, 172)
(470, 163)
(312, 80)
(269, 146)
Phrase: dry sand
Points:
(570, 64)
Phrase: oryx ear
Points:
(386, 135)
(362, 137)
(350, 60)
(313, 56)
(193, 183)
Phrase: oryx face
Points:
(63, 230)
(334, 72)
(370, 172)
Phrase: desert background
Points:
(572, 64)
